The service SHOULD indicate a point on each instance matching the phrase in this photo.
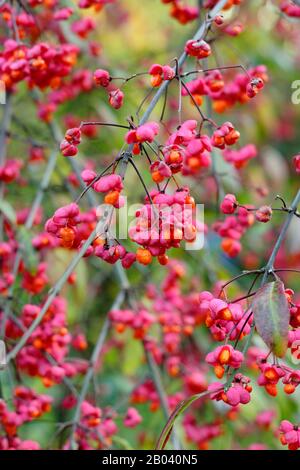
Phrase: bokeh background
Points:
(132, 36)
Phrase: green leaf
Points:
(272, 316)
(8, 211)
(133, 354)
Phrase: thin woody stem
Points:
(203, 117)
(5, 124)
(244, 297)
(239, 276)
(128, 79)
(200, 33)
(226, 67)
(141, 180)
(164, 105)
(289, 210)
(269, 269)
(7, 113)
(100, 123)
(85, 190)
(286, 270)
(270, 264)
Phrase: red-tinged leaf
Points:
(272, 316)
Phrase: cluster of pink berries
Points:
(97, 4)
(139, 321)
(95, 429)
(233, 227)
(186, 150)
(164, 222)
(271, 374)
(225, 135)
(290, 9)
(198, 48)
(182, 12)
(116, 96)
(28, 406)
(225, 94)
(72, 138)
(41, 65)
(238, 393)
(225, 320)
(144, 133)
(159, 73)
(229, 4)
(10, 171)
(224, 356)
(63, 224)
(202, 434)
(239, 158)
(110, 185)
(50, 338)
(289, 435)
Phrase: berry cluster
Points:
(28, 406)
(177, 324)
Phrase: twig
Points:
(226, 67)
(203, 117)
(245, 273)
(3, 145)
(5, 127)
(269, 269)
(141, 180)
(99, 123)
(270, 264)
